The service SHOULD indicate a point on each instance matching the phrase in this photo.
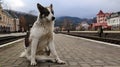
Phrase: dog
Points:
(39, 41)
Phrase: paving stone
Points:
(85, 65)
(111, 66)
(112, 63)
(73, 63)
(97, 66)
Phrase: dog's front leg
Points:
(33, 50)
(53, 51)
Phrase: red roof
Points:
(100, 12)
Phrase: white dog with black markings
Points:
(39, 42)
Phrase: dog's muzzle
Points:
(53, 18)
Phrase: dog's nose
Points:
(53, 18)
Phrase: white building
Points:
(114, 21)
(82, 26)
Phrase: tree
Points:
(67, 24)
(23, 26)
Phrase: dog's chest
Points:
(46, 37)
(44, 42)
(40, 32)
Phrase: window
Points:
(0, 17)
(105, 19)
(113, 21)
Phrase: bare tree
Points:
(67, 24)
(23, 26)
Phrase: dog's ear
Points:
(51, 6)
(40, 7)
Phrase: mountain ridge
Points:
(74, 20)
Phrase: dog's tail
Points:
(27, 38)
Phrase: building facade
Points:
(102, 20)
(9, 22)
(102, 17)
(114, 21)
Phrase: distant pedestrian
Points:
(68, 31)
(100, 31)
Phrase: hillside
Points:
(74, 20)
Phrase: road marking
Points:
(11, 43)
(93, 40)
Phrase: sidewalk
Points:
(75, 51)
(12, 34)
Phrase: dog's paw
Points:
(33, 63)
(60, 62)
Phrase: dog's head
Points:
(46, 13)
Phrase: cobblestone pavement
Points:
(76, 52)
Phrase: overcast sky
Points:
(75, 8)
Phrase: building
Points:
(102, 20)
(9, 22)
(114, 21)
(82, 26)
(102, 17)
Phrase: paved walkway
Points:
(75, 51)
(12, 34)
